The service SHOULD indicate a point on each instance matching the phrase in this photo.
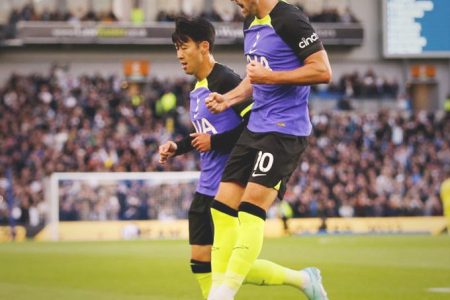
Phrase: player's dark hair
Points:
(198, 29)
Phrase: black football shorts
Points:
(264, 158)
(200, 222)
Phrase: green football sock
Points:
(202, 272)
(248, 245)
(226, 226)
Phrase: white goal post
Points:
(83, 180)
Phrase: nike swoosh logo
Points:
(258, 175)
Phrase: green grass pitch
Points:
(353, 267)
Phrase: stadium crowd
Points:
(327, 15)
(28, 12)
(384, 163)
(367, 85)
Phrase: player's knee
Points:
(230, 193)
(259, 195)
(201, 253)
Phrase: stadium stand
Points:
(360, 86)
(28, 12)
(384, 163)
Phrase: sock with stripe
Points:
(226, 226)
(246, 250)
(267, 273)
(202, 272)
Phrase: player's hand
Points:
(257, 73)
(201, 141)
(166, 150)
(216, 103)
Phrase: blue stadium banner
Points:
(158, 33)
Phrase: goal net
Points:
(118, 196)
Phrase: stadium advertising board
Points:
(6, 233)
(416, 28)
(178, 229)
(159, 33)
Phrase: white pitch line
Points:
(444, 290)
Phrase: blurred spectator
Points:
(90, 16)
(347, 16)
(108, 17)
(164, 16)
(344, 103)
(445, 196)
(137, 16)
(212, 16)
(367, 86)
(447, 105)
(328, 15)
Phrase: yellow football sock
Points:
(264, 272)
(226, 226)
(248, 245)
(202, 272)
(204, 280)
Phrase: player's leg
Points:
(224, 208)
(252, 215)
(201, 239)
(262, 272)
(201, 267)
(226, 223)
(267, 273)
(275, 163)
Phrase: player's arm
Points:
(203, 142)
(184, 145)
(170, 149)
(316, 69)
(219, 102)
(296, 30)
(225, 142)
(241, 93)
(221, 142)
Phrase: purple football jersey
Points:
(212, 163)
(280, 42)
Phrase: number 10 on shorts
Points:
(263, 164)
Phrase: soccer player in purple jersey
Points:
(215, 136)
(285, 56)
